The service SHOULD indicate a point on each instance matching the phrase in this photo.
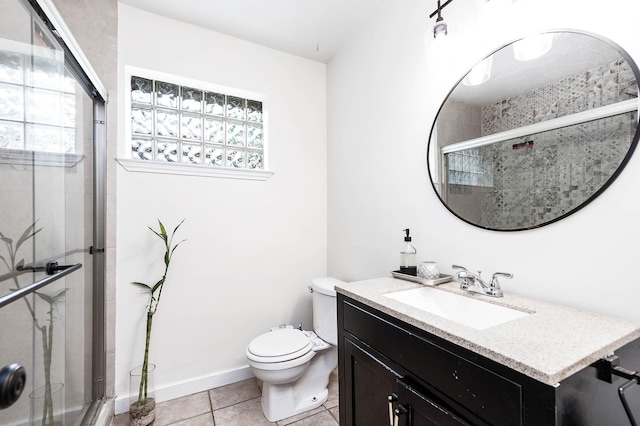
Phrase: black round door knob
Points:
(13, 378)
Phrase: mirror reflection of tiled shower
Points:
(519, 183)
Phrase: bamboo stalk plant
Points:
(155, 293)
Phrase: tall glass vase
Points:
(46, 405)
(142, 402)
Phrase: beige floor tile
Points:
(242, 414)
(335, 412)
(180, 409)
(332, 401)
(293, 419)
(202, 420)
(321, 419)
(237, 404)
(234, 393)
(121, 420)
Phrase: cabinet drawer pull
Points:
(400, 411)
(391, 399)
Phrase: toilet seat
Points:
(278, 346)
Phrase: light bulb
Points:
(480, 73)
(440, 28)
(532, 47)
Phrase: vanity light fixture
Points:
(532, 47)
(440, 27)
(480, 73)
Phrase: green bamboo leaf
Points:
(166, 258)
(162, 236)
(28, 233)
(176, 228)
(174, 248)
(158, 285)
(162, 230)
(44, 297)
(143, 285)
(154, 231)
(6, 240)
(60, 295)
(20, 264)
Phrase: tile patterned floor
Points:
(237, 404)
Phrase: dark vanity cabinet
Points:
(392, 373)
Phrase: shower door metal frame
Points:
(98, 356)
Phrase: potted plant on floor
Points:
(142, 409)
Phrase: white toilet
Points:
(295, 365)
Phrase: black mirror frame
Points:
(604, 186)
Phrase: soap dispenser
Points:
(408, 264)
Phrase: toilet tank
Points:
(325, 312)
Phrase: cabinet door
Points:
(417, 407)
(369, 383)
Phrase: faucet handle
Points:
(461, 271)
(494, 278)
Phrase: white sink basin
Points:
(461, 309)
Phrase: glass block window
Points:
(37, 104)
(172, 123)
(469, 167)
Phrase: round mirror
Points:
(535, 131)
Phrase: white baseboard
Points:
(189, 387)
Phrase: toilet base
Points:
(279, 403)
(308, 392)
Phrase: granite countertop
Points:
(549, 345)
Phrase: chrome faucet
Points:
(474, 283)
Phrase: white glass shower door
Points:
(46, 227)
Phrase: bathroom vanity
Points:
(400, 364)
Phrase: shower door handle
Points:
(50, 268)
(12, 381)
(18, 294)
(53, 267)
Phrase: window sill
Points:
(193, 170)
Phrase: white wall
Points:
(384, 89)
(252, 247)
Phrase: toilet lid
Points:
(325, 285)
(279, 345)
